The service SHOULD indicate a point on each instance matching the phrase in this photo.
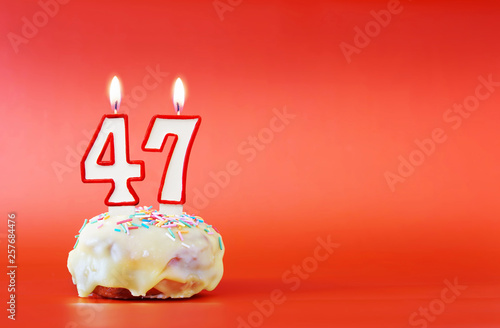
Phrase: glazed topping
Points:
(137, 252)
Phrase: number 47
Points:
(120, 171)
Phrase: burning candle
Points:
(183, 128)
(112, 136)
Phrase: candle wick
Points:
(178, 109)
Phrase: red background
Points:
(322, 175)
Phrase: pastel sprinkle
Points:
(123, 221)
(76, 243)
(83, 226)
(186, 223)
(148, 217)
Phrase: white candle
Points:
(112, 136)
(172, 192)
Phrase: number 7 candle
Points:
(183, 128)
(112, 135)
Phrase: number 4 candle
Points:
(112, 135)
(172, 192)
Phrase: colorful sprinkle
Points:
(83, 226)
(76, 243)
(123, 221)
(186, 223)
(149, 217)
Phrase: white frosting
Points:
(143, 258)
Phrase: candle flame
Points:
(115, 96)
(178, 95)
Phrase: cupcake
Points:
(146, 255)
